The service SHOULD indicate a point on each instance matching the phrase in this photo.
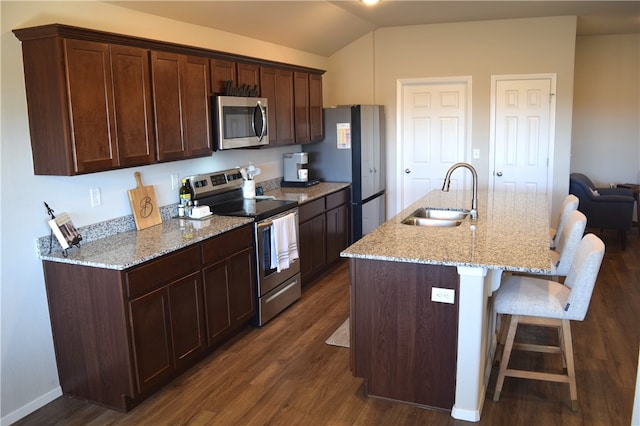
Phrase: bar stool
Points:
(539, 302)
(567, 243)
(569, 204)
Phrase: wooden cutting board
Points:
(144, 205)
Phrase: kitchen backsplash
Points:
(118, 225)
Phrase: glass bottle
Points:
(185, 193)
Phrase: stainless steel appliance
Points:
(354, 151)
(240, 122)
(222, 192)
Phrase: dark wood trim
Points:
(68, 31)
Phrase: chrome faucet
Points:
(474, 200)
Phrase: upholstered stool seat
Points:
(541, 302)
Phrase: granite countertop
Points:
(122, 250)
(304, 195)
(511, 233)
(127, 249)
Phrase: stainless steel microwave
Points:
(240, 122)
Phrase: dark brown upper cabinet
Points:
(89, 105)
(308, 107)
(316, 125)
(181, 104)
(277, 86)
(100, 101)
(237, 73)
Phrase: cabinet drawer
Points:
(311, 209)
(337, 198)
(163, 270)
(227, 244)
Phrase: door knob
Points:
(499, 174)
(407, 171)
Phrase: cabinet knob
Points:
(407, 171)
(499, 174)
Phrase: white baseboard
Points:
(32, 406)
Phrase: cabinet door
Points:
(249, 76)
(216, 299)
(165, 69)
(313, 247)
(285, 111)
(316, 127)
(90, 103)
(277, 86)
(337, 232)
(268, 90)
(187, 319)
(221, 72)
(301, 105)
(195, 106)
(132, 105)
(151, 333)
(242, 292)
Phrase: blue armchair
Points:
(605, 208)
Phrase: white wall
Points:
(476, 49)
(606, 116)
(29, 375)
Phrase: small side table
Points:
(635, 188)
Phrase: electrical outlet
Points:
(175, 181)
(96, 199)
(443, 295)
(476, 153)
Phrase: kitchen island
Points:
(422, 329)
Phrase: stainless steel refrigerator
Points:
(353, 150)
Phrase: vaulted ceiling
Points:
(323, 27)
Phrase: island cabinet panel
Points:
(403, 343)
(181, 105)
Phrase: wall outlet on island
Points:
(443, 295)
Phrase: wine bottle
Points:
(185, 193)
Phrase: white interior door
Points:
(522, 131)
(433, 133)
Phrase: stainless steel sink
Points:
(426, 216)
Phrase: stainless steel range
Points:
(222, 192)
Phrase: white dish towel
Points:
(284, 242)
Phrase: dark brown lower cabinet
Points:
(324, 233)
(168, 330)
(228, 266)
(402, 343)
(121, 335)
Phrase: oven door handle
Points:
(266, 224)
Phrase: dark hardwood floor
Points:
(284, 373)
